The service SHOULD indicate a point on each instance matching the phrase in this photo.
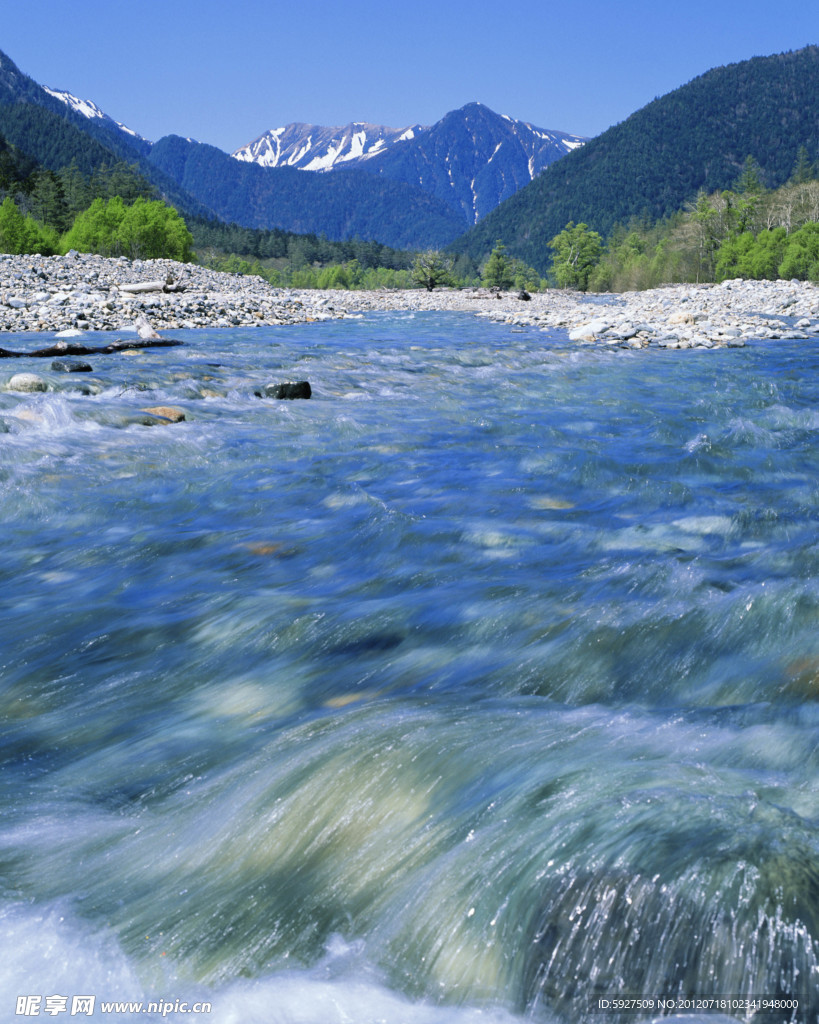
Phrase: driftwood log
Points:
(63, 348)
(168, 285)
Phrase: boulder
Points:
(27, 382)
(166, 412)
(71, 366)
(287, 389)
(589, 331)
(144, 329)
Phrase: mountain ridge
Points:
(650, 165)
(469, 138)
(414, 187)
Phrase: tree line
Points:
(747, 231)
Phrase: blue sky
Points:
(225, 72)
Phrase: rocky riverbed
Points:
(81, 292)
(676, 316)
(84, 292)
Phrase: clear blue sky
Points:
(225, 72)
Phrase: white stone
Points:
(590, 330)
(27, 382)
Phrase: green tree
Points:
(577, 252)
(432, 269)
(802, 170)
(46, 201)
(96, 229)
(148, 229)
(76, 190)
(22, 234)
(497, 272)
(151, 230)
(801, 259)
(735, 257)
(705, 218)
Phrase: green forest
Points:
(747, 231)
(111, 209)
(646, 169)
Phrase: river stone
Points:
(589, 330)
(71, 366)
(27, 382)
(166, 412)
(287, 389)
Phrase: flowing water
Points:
(483, 686)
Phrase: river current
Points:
(481, 687)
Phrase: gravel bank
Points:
(84, 292)
(677, 316)
(81, 292)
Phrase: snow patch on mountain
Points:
(472, 158)
(88, 109)
(311, 147)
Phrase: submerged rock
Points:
(166, 412)
(71, 366)
(287, 389)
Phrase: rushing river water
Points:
(480, 687)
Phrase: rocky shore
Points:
(80, 292)
(673, 317)
(83, 292)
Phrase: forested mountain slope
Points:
(55, 135)
(650, 165)
(341, 205)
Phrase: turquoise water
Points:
(480, 687)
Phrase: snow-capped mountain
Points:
(472, 158)
(312, 147)
(88, 109)
(414, 187)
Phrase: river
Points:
(481, 687)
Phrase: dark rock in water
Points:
(71, 366)
(375, 644)
(288, 389)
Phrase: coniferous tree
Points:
(497, 272)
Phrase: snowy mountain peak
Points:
(311, 147)
(472, 158)
(87, 108)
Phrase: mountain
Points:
(56, 129)
(311, 147)
(472, 159)
(650, 165)
(91, 111)
(416, 187)
(345, 204)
